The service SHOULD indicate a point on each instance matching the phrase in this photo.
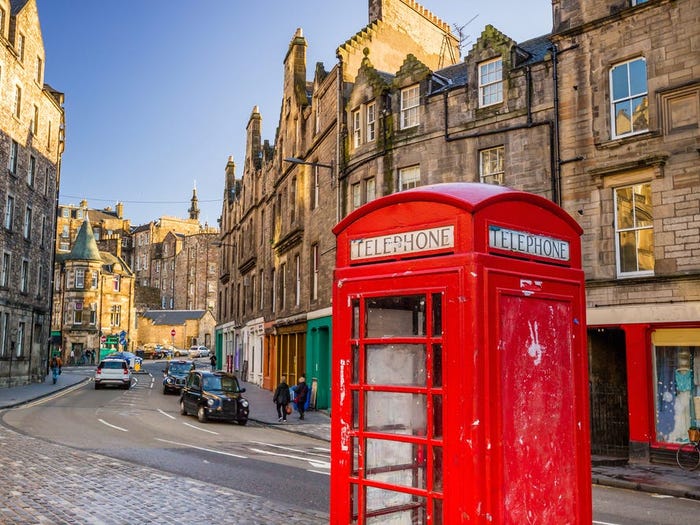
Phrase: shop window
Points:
(629, 103)
(634, 230)
(677, 374)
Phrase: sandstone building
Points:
(600, 116)
(31, 145)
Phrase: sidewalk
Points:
(658, 479)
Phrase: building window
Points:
(24, 277)
(93, 314)
(283, 286)
(371, 121)
(410, 100)
(676, 354)
(20, 47)
(31, 170)
(17, 107)
(292, 204)
(77, 316)
(5, 333)
(629, 104)
(40, 281)
(314, 272)
(262, 289)
(115, 315)
(491, 82)
(5, 275)
(9, 212)
(35, 120)
(315, 188)
(370, 189)
(116, 283)
(39, 68)
(43, 231)
(27, 223)
(20, 339)
(491, 165)
(297, 280)
(634, 230)
(273, 291)
(356, 195)
(409, 178)
(80, 278)
(94, 279)
(12, 160)
(356, 129)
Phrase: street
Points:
(114, 456)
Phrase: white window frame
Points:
(14, 155)
(371, 121)
(636, 227)
(27, 230)
(356, 195)
(24, 277)
(80, 278)
(9, 212)
(115, 315)
(491, 82)
(20, 339)
(410, 103)
(297, 278)
(314, 272)
(409, 177)
(370, 189)
(356, 129)
(491, 165)
(628, 98)
(5, 271)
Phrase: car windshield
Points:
(180, 368)
(112, 364)
(222, 383)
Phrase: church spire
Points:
(194, 208)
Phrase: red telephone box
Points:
(460, 379)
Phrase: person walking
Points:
(212, 360)
(300, 394)
(281, 399)
(55, 368)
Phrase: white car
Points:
(113, 372)
(199, 351)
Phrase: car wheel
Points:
(165, 391)
(243, 422)
(127, 386)
(97, 386)
(202, 415)
(183, 410)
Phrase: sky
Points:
(158, 93)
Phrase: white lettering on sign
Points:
(440, 238)
(529, 243)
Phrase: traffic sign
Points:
(103, 339)
(122, 338)
(172, 332)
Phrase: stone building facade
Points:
(93, 297)
(599, 116)
(32, 121)
(191, 327)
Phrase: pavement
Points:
(652, 478)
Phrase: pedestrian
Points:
(212, 360)
(55, 368)
(282, 399)
(72, 356)
(300, 394)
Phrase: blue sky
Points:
(159, 92)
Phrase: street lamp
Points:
(294, 160)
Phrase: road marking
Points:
(603, 523)
(202, 448)
(166, 414)
(318, 472)
(289, 448)
(314, 463)
(58, 394)
(202, 429)
(323, 449)
(112, 426)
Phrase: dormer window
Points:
(491, 82)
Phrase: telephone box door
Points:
(390, 348)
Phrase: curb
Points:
(45, 394)
(606, 481)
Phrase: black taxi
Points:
(214, 395)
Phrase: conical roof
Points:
(85, 246)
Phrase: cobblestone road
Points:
(42, 483)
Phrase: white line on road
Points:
(202, 448)
(202, 429)
(112, 426)
(289, 449)
(603, 523)
(166, 414)
(318, 464)
(318, 472)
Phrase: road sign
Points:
(122, 338)
(103, 339)
(172, 332)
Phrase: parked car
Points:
(113, 372)
(129, 357)
(175, 375)
(163, 352)
(199, 351)
(214, 395)
(181, 352)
